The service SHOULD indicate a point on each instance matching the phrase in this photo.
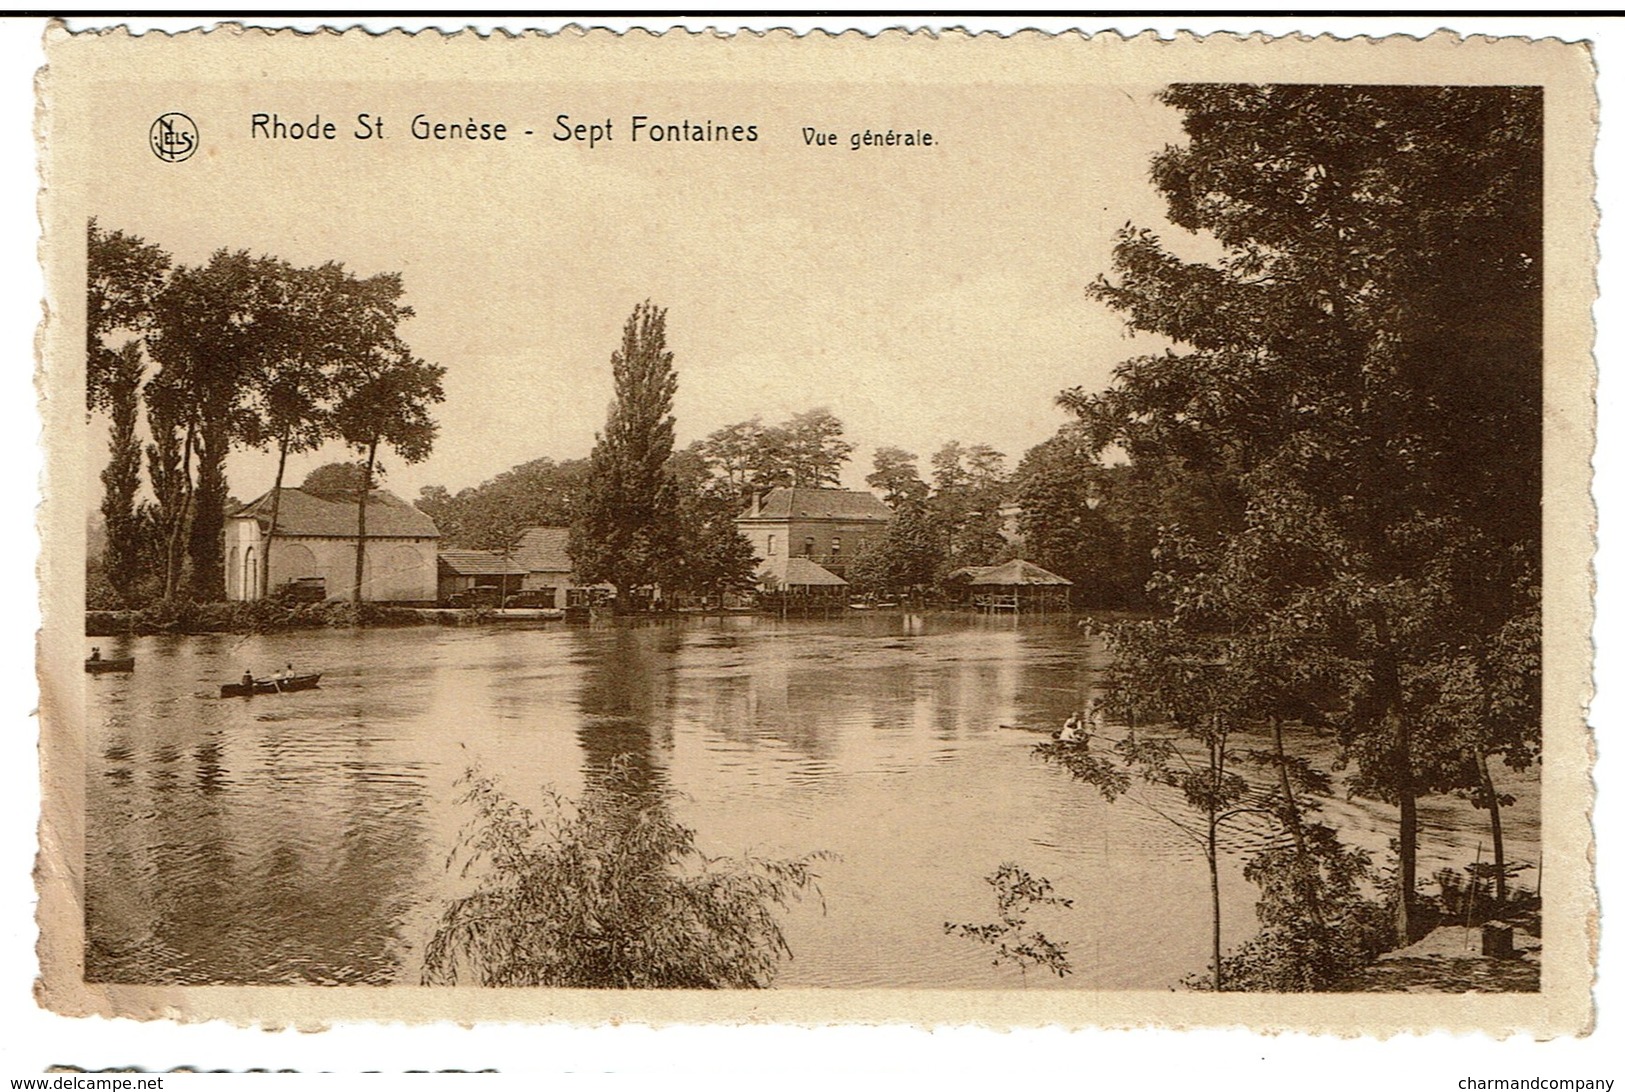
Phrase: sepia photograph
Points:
(1042, 530)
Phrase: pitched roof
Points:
(802, 572)
(799, 502)
(968, 573)
(1018, 572)
(544, 550)
(308, 514)
(479, 563)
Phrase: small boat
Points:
(99, 666)
(270, 686)
(1030, 728)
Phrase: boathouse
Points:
(1018, 586)
(312, 554)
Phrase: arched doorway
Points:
(251, 573)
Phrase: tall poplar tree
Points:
(626, 532)
(123, 275)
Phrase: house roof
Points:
(802, 572)
(479, 563)
(309, 514)
(544, 550)
(968, 573)
(1018, 572)
(797, 502)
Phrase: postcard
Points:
(928, 528)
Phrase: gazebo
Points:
(1021, 587)
(801, 584)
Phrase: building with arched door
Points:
(312, 553)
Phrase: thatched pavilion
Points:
(1022, 587)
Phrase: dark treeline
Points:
(239, 351)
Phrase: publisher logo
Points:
(173, 138)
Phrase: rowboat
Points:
(269, 686)
(102, 667)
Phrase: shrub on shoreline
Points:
(608, 891)
(260, 616)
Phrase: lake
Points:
(303, 838)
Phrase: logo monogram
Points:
(173, 138)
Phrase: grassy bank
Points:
(263, 616)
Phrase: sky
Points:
(921, 294)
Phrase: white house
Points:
(315, 544)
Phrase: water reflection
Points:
(303, 837)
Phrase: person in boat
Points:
(95, 653)
(1072, 730)
(287, 673)
(248, 678)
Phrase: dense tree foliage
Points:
(250, 351)
(1358, 377)
(538, 493)
(905, 560)
(121, 479)
(713, 556)
(969, 487)
(609, 892)
(625, 530)
(897, 476)
(123, 275)
(749, 457)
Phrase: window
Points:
(835, 546)
(809, 550)
(772, 544)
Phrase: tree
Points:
(714, 557)
(897, 477)
(814, 448)
(124, 274)
(749, 458)
(626, 530)
(121, 479)
(316, 321)
(336, 481)
(1064, 523)
(970, 482)
(1359, 377)
(169, 469)
(385, 398)
(905, 559)
(1017, 892)
(609, 892)
(746, 458)
(539, 493)
(213, 326)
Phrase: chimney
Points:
(755, 504)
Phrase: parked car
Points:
(530, 599)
